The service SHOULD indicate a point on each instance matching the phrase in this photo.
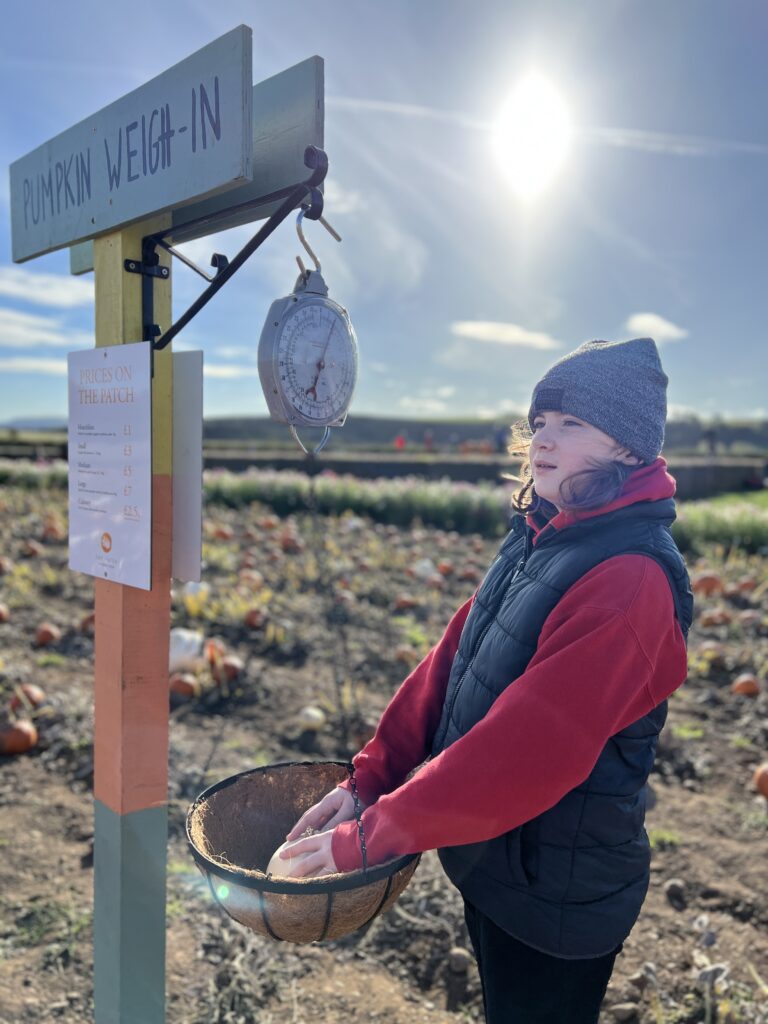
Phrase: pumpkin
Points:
(760, 779)
(54, 529)
(254, 618)
(749, 617)
(707, 583)
(88, 623)
(746, 584)
(221, 532)
(33, 697)
(18, 738)
(311, 717)
(46, 634)
(228, 667)
(185, 684)
(746, 683)
(290, 542)
(214, 651)
(446, 568)
(715, 617)
(404, 602)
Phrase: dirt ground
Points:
(348, 607)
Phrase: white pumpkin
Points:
(281, 868)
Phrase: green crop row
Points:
(739, 520)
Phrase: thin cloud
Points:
(60, 290)
(21, 364)
(503, 334)
(671, 145)
(409, 110)
(27, 330)
(651, 325)
(414, 404)
(229, 372)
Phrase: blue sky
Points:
(461, 294)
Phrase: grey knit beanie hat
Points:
(617, 386)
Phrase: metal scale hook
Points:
(305, 243)
(304, 273)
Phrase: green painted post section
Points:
(129, 875)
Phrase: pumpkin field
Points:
(302, 629)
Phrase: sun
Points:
(532, 136)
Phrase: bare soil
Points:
(337, 633)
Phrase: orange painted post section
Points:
(132, 625)
(131, 690)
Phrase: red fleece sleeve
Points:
(609, 652)
(403, 738)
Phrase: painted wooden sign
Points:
(182, 136)
(110, 463)
(288, 115)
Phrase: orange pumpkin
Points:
(747, 683)
(446, 568)
(228, 668)
(33, 694)
(707, 583)
(54, 529)
(760, 779)
(88, 623)
(715, 617)
(185, 684)
(254, 618)
(746, 584)
(213, 650)
(221, 532)
(47, 633)
(18, 738)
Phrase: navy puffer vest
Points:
(571, 881)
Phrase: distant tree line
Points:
(688, 434)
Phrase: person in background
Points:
(520, 747)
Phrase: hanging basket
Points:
(235, 826)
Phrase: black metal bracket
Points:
(149, 266)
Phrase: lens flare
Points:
(532, 136)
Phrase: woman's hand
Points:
(310, 857)
(335, 807)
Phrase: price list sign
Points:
(110, 463)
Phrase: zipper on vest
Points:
(518, 569)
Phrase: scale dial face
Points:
(316, 357)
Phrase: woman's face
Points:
(569, 445)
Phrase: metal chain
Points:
(323, 587)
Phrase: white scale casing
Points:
(308, 358)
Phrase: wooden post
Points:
(131, 690)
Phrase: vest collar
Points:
(651, 483)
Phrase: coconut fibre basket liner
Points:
(235, 826)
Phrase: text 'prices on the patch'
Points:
(110, 463)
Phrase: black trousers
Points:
(523, 986)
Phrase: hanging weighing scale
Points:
(307, 355)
